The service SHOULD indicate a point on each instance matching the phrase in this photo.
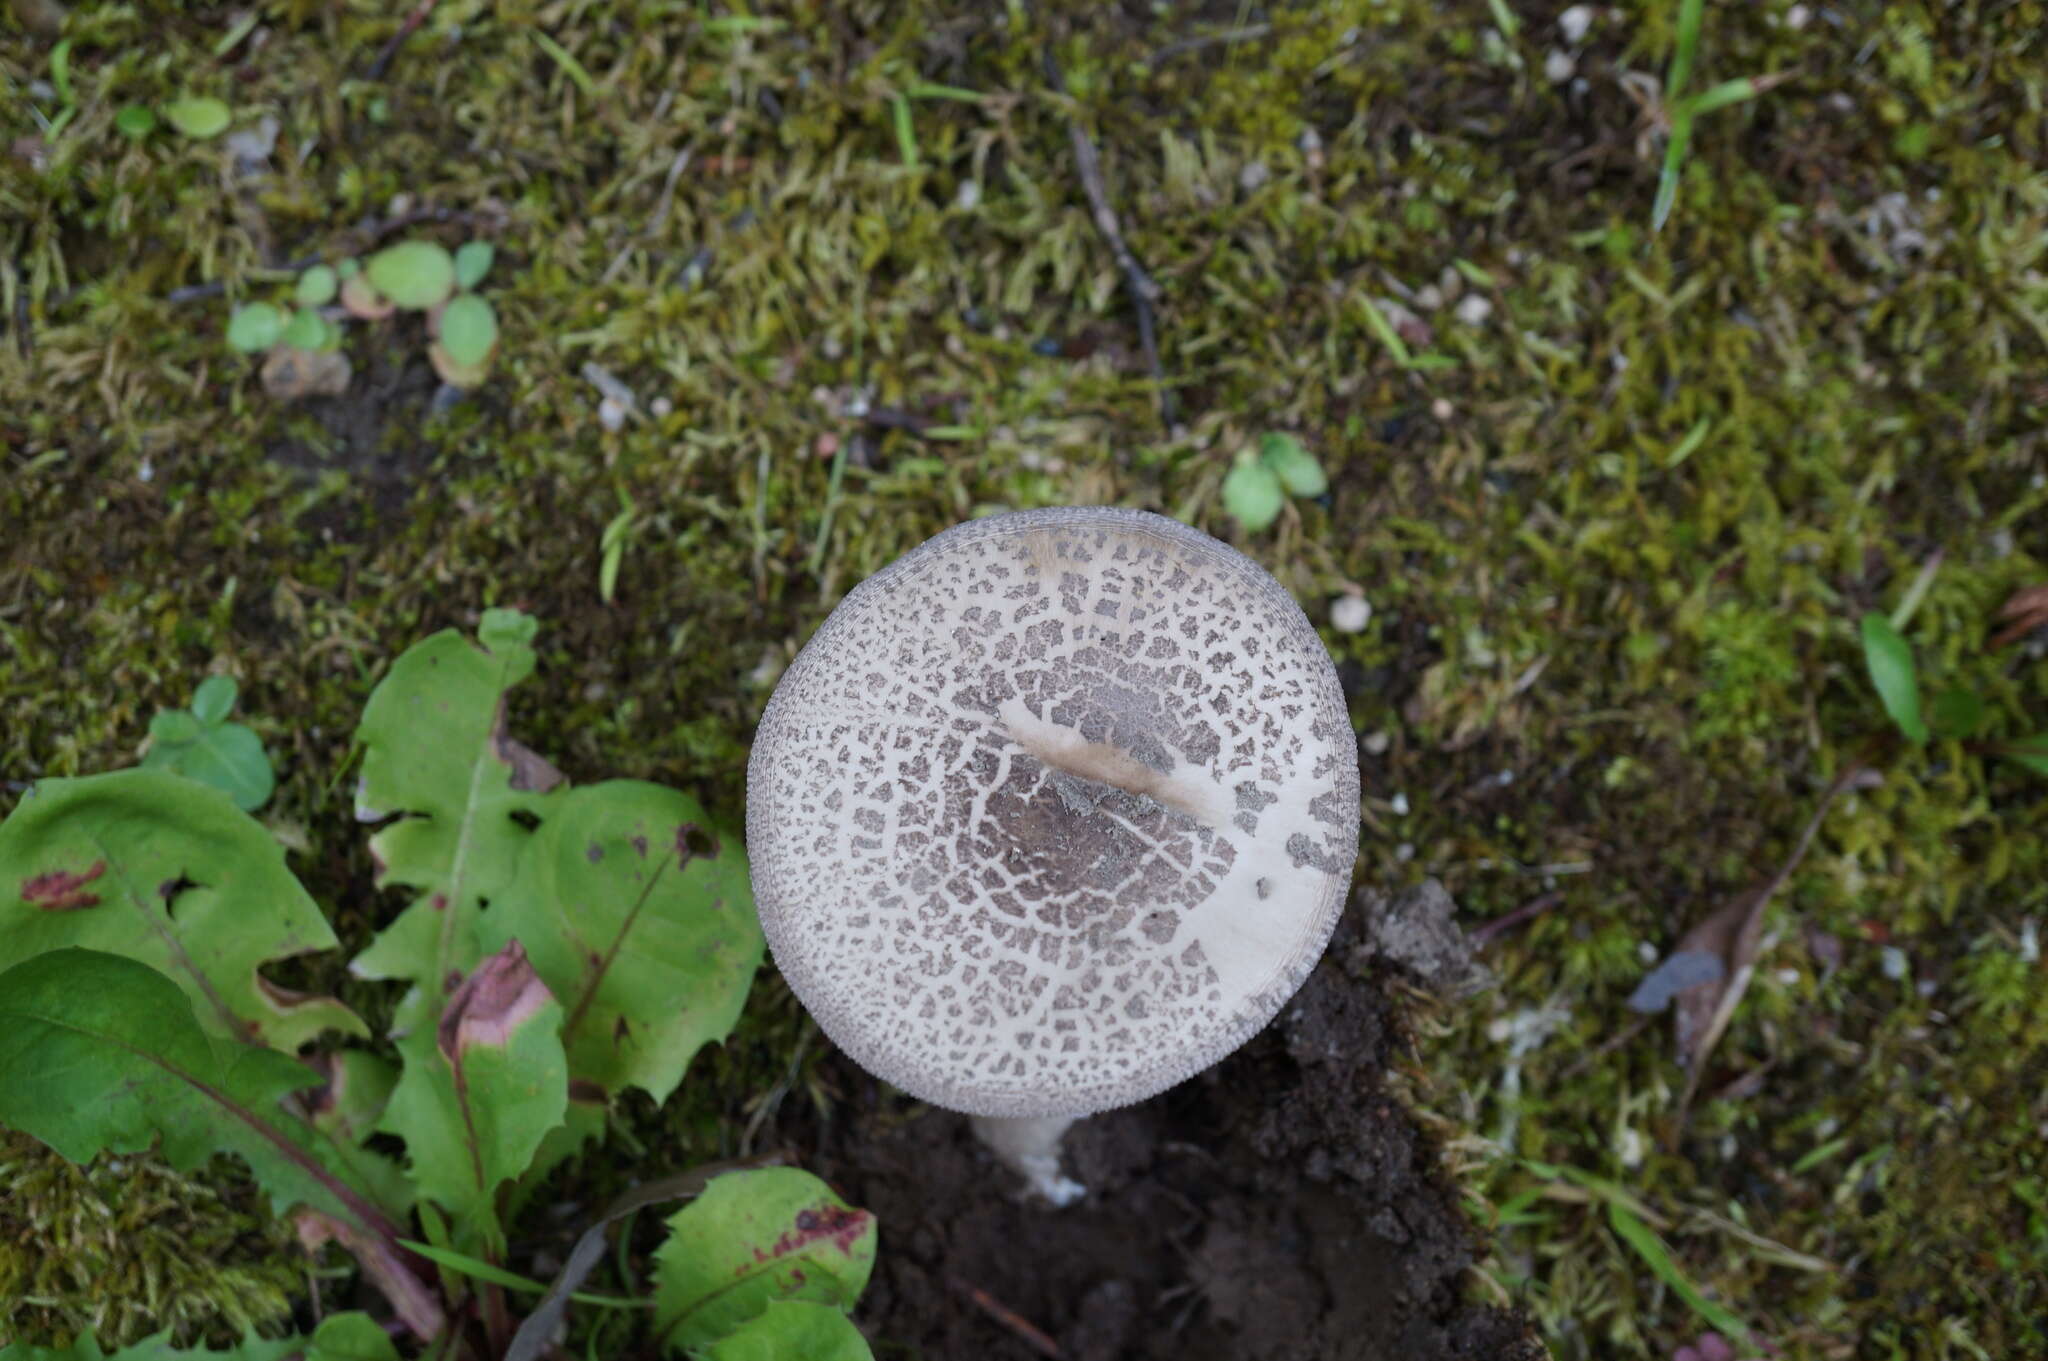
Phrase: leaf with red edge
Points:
(753, 1238)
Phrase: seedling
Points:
(563, 945)
(1671, 111)
(202, 745)
(1956, 713)
(1261, 481)
(302, 346)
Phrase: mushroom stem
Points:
(1032, 1149)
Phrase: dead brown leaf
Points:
(2028, 610)
(1730, 934)
(290, 375)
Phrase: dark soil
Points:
(1281, 1207)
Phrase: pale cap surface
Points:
(1053, 812)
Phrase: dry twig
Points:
(1144, 292)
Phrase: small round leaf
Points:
(317, 286)
(468, 330)
(255, 326)
(415, 274)
(1295, 466)
(472, 262)
(197, 116)
(1252, 494)
(135, 121)
(174, 726)
(347, 268)
(214, 698)
(307, 330)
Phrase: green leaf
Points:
(60, 72)
(474, 1107)
(1651, 1249)
(227, 756)
(317, 286)
(793, 1328)
(255, 326)
(353, 1336)
(435, 748)
(1252, 493)
(469, 330)
(1956, 712)
(197, 116)
(1890, 661)
(1295, 466)
(135, 120)
(152, 866)
(473, 261)
(415, 274)
(638, 914)
(214, 700)
(307, 330)
(345, 1111)
(100, 1053)
(562, 58)
(463, 1264)
(753, 1238)
(174, 725)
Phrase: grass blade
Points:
(1657, 1257)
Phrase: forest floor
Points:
(1618, 499)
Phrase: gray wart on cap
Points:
(1052, 813)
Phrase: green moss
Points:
(124, 1248)
(1660, 650)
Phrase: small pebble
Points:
(1646, 952)
(1376, 743)
(1894, 963)
(968, 196)
(1253, 177)
(1404, 852)
(1350, 613)
(1441, 409)
(661, 406)
(1399, 803)
(1788, 976)
(1429, 297)
(1474, 309)
(611, 414)
(1558, 66)
(1573, 23)
(1796, 17)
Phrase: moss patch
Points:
(1616, 546)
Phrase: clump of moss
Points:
(124, 1248)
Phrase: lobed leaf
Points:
(436, 753)
(753, 1238)
(101, 1053)
(793, 1328)
(640, 918)
(159, 869)
(474, 1108)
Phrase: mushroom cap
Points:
(1053, 812)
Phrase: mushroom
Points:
(1052, 813)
